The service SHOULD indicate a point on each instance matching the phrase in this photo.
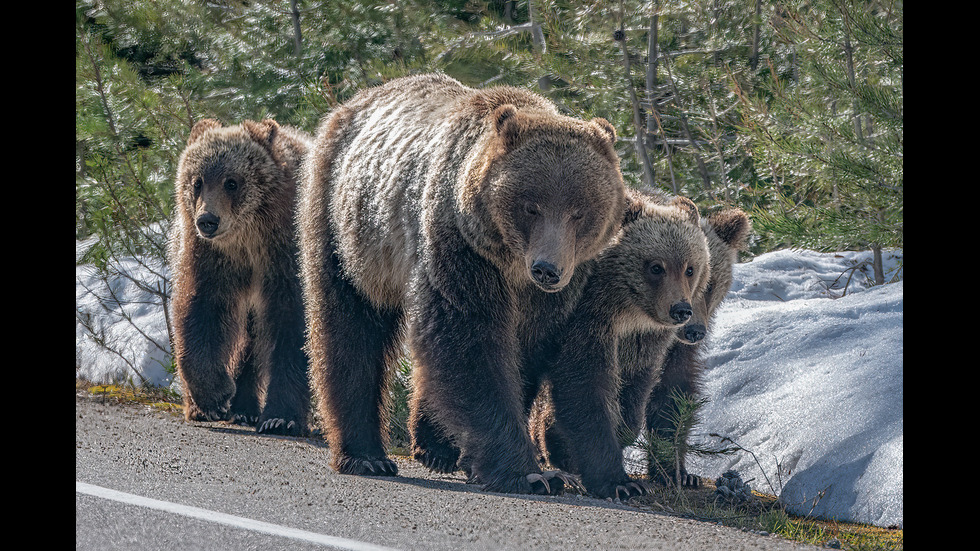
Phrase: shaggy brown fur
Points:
(453, 216)
(237, 302)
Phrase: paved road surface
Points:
(148, 480)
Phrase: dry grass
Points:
(764, 514)
(158, 399)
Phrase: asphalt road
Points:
(146, 479)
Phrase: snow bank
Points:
(811, 381)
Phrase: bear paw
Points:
(366, 467)
(278, 425)
(687, 480)
(212, 403)
(620, 491)
(438, 460)
(215, 413)
(545, 483)
(244, 419)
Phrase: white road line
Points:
(222, 518)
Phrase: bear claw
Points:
(244, 419)
(630, 490)
(444, 464)
(278, 425)
(535, 478)
(560, 480)
(367, 467)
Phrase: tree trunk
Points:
(537, 35)
(638, 142)
(754, 61)
(297, 33)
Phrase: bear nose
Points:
(681, 312)
(207, 224)
(694, 332)
(545, 273)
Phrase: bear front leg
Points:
(208, 326)
(245, 406)
(584, 394)
(641, 361)
(280, 329)
(466, 369)
(681, 373)
(350, 344)
(430, 446)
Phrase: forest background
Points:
(791, 110)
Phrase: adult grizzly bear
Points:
(237, 301)
(727, 232)
(639, 294)
(453, 216)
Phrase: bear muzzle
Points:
(681, 312)
(693, 332)
(207, 225)
(546, 275)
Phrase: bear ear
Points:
(688, 207)
(732, 226)
(501, 114)
(607, 129)
(633, 210)
(507, 123)
(202, 126)
(263, 132)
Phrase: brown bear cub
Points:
(639, 294)
(237, 301)
(453, 217)
(727, 232)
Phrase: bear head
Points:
(660, 264)
(727, 232)
(551, 187)
(224, 178)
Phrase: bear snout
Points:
(545, 274)
(207, 224)
(681, 312)
(694, 332)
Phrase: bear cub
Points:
(639, 294)
(236, 304)
(727, 232)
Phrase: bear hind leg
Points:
(287, 401)
(352, 346)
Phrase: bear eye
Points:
(531, 209)
(198, 183)
(656, 269)
(231, 184)
(709, 288)
(689, 271)
(577, 215)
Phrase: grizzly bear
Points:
(455, 218)
(727, 232)
(236, 301)
(640, 292)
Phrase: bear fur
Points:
(236, 300)
(727, 232)
(451, 217)
(639, 294)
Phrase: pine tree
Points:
(826, 128)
